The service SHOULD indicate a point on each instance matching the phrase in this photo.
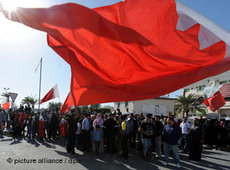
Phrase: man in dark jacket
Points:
(158, 128)
(171, 134)
(110, 128)
(72, 127)
(133, 127)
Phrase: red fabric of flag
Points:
(215, 102)
(53, 93)
(67, 104)
(128, 51)
(6, 106)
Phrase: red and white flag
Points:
(53, 93)
(225, 89)
(67, 104)
(13, 96)
(132, 50)
(215, 102)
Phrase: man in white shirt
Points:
(127, 111)
(185, 128)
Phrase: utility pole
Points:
(40, 80)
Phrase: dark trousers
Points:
(70, 144)
(110, 143)
(86, 141)
(97, 145)
(183, 144)
(132, 140)
(78, 140)
(124, 145)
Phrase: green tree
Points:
(95, 106)
(84, 109)
(55, 106)
(6, 96)
(190, 103)
(30, 100)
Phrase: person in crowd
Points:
(139, 135)
(119, 112)
(63, 127)
(22, 122)
(170, 135)
(146, 130)
(195, 142)
(41, 130)
(72, 127)
(2, 122)
(9, 121)
(99, 121)
(110, 127)
(86, 133)
(53, 125)
(185, 128)
(78, 134)
(118, 134)
(158, 129)
(132, 131)
(97, 137)
(127, 111)
(35, 125)
(124, 136)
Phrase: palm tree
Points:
(190, 103)
(6, 96)
(29, 100)
(54, 106)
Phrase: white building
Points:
(157, 106)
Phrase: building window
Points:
(201, 88)
(224, 82)
(118, 105)
(126, 104)
(186, 90)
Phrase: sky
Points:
(22, 47)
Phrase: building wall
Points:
(148, 106)
(123, 106)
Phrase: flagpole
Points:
(40, 80)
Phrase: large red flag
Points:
(6, 106)
(67, 104)
(131, 50)
(215, 102)
(53, 93)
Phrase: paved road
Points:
(25, 155)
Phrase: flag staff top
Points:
(39, 98)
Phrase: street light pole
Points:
(40, 80)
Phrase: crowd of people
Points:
(116, 133)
